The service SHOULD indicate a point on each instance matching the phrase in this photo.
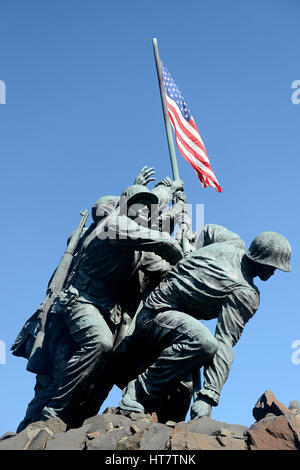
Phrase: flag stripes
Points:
(188, 139)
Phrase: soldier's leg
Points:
(94, 338)
(178, 344)
(43, 392)
(178, 401)
(46, 385)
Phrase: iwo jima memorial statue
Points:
(124, 306)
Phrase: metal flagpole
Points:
(170, 139)
(196, 374)
(165, 113)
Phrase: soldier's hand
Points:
(177, 185)
(189, 234)
(188, 242)
(144, 176)
(201, 407)
(179, 196)
(165, 181)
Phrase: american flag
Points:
(187, 136)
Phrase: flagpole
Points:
(171, 145)
(170, 139)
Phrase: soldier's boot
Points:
(132, 397)
(202, 406)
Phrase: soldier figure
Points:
(104, 283)
(214, 281)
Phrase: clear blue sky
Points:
(83, 115)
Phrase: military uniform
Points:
(211, 282)
(92, 305)
(108, 277)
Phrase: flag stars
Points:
(198, 159)
(174, 93)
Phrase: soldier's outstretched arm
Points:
(127, 234)
(238, 309)
(165, 189)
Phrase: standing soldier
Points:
(92, 305)
(49, 359)
(60, 345)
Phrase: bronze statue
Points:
(214, 281)
(127, 286)
(85, 317)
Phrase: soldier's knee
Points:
(211, 347)
(205, 341)
(207, 346)
(107, 345)
(102, 345)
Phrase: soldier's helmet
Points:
(103, 207)
(134, 194)
(271, 249)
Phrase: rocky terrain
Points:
(276, 427)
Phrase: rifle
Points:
(37, 362)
